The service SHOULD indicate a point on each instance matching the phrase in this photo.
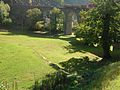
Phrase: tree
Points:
(4, 13)
(34, 16)
(100, 25)
(106, 10)
(54, 14)
(87, 28)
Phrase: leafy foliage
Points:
(39, 25)
(83, 74)
(85, 31)
(91, 26)
(56, 20)
(34, 16)
(4, 13)
(106, 11)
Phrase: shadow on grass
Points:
(75, 74)
(79, 46)
(38, 34)
(75, 45)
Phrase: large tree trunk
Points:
(105, 37)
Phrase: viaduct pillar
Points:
(68, 23)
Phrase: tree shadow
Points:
(38, 34)
(75, 74)
(79, 46)
(75, 45)
(18, 31)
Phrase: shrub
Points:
(87, 34)
(7, 21)
(4, 14)
(33, 15)
(55, 81)
(39, 25)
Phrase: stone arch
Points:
(68, 10)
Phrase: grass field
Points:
(24, 58)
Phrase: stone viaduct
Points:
(19, 11)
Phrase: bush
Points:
(33, 16)
(4, 14)
(7, 22)
(55, 81)
(39, 25)
(87, 34)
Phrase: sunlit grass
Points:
(21, 56)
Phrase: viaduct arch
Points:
(68, 10)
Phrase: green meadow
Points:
(25, 58)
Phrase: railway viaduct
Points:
(68, 9)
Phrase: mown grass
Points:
(21, 64)
(19, 57)
(23, 57)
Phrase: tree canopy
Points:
(100, 25)
(4, 13)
